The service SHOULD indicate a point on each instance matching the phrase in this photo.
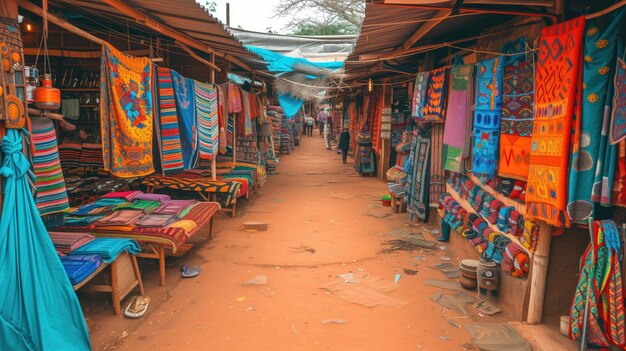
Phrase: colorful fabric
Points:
(122, 217)
(78, 268)
(223, 116)
(487, 113)
(247, 119)
(458, 123)
(51, 191)
(436, 94)
(230, 189)
(206, 111)
(126, 113)
(590, 146)
(618, 114)
(517, 113)
(419, 94)
(619, 183)
(68, 242)
(555, 104)
(234, 98)
(186, 107)
(156, 220)
(419, 186)
(171, 153)
(107, 248)
(437, 173)
(146, 206)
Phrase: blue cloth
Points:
(107, 248)
(40, 310)
(186, 107)
(78, 268)
(290, 104)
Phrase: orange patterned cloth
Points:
(559, 83)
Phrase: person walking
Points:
(328, 133)
(321, 119)
(344, 144)
(308, 125)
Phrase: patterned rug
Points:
(419, 94)
(171, 153)
(487, 113)
(206, 112)
(420, 184)
(126, 113)
(50, 183)
(555, 101)
(436, 93)
(458, 122)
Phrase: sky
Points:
(254, 15)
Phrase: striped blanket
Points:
(207, 123)
(171, 153)
(229, 189)
(50, 183)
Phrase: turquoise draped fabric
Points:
(589, 153)
(40, 310)
(186, 108)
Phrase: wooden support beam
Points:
(82, 54)
(539, 274)
(200, 59)
(26, 5)
(424, 28)
(151, 23)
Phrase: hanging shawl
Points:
(374, 112)
(558, 78)
(487, 112)
(419, 196)
(171, 153)
(600, 267)
(458, 123)
(234, 98)
(619, 183)
(419, 94)
(41, 310)
(618, 114)
(590, 148)
(126, 114)
(206, 113)
(50, 183)
(223, 114)
(517, 112)
(247, 119)
(436, 172)
(436, 92)
(185, 103)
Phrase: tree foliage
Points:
(322, 17)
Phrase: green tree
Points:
(322, 16)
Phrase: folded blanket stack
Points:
(65, 243)
(107, 248)
(79, 267)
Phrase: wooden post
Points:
(212, 70)
(539, 274)
(234, 138)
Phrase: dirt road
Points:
(323, 222)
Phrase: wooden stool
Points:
(123, 278)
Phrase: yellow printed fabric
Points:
(126, 113)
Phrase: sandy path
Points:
(317, 229)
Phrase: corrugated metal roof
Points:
(185, 16)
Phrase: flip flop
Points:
(137, 307)
(189, 272)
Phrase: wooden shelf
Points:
(468, 207)
(79, 89)
(89, 105)
(520, 207)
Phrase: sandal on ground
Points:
(137, 307)
(189, 272)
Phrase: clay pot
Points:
(468, 283)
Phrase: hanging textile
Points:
(171, 153)
(206, 114)
(555, 100)
(518, 84)
(458, 123)
(234, 98)
(436, 93)
(619, 183)
(374, 113)
(185, 103)
(247, 119)
(600, 268)
(223, 119)
(50, 183)
(419, 197)
(618, 113)
(590, 147)
(487, 113)
(419, 94)
(41, 310)
(126, 113)
(400, 112)
(437, 173)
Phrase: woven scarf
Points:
(555, 101)
(420, 184)
(419, 94)
(487, 112)
(618, 113)
(437, 173)
(50, 183)
(234, 98)
(375, 112)
(185, 103)
(436, 93)
(223, 119)
(171, 153)
(458, 123)
(126, 113)
(207, 119)
(590, 148)
(517, 112)
(247, 119)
